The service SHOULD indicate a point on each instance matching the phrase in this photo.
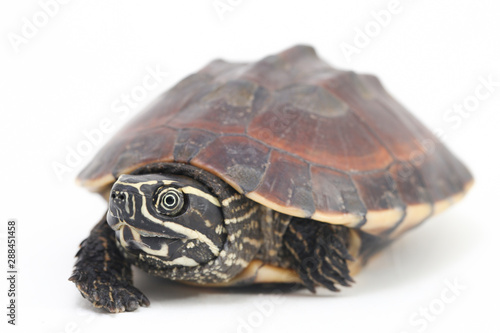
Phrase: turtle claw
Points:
(119, 298)
(108, 293)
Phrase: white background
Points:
(68, 77)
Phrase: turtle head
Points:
(168, 218)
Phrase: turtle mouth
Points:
(114, 221)
(117, 224)
(134, 242)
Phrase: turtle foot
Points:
(319, 253)
(106, 292)
(103, 276)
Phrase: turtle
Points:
(285, 170)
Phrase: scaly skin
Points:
(103, 275)
(318, 252)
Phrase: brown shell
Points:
(296, 135)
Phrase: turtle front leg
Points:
(318, 252)
(102, 274)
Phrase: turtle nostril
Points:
(118, 196)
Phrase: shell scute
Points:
(293, 195)
(189, 143)
(239, 160)
(331, 188)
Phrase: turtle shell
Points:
(296, 135)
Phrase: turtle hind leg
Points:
(318, 252)
(102, 274)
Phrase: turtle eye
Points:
(169, 201)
